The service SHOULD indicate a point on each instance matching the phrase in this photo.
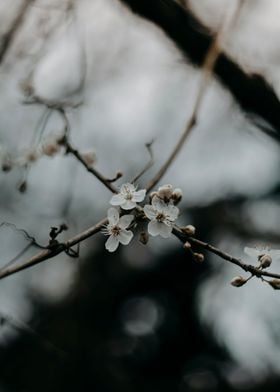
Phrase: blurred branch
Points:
(149, 163)
(71, 150)
(9, 36)
(253, 93)
(52, 250)
(208, 66)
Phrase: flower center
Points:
(161, 217)
(128, 196)
(115, 230)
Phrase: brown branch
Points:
(106, 182)
(52, 251)
(9, 36)
(251, 91)
(70, 149)
(149, 163)
(60, 247)
(226, 256)
(208, 66)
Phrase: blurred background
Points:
(146, 317)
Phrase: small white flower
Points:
(116, 229)
(128, 197)
(162, 217)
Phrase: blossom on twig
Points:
(162, 217)
(128, 197)
(116, 229)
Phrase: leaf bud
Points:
(89, 158)
(187, 245)
(238, 281)
(177, 195)
(189, 230)
(265, 261)
(144, 237)
(165, 192)
(275, 283)
(198, 257)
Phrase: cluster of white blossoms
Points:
(161, 213)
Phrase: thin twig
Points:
(207, 70)
(226, 256)
(70, 149)
(149, 163)
(8, 38)
(53, 251)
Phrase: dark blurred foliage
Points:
(81, 344)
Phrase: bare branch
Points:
(17, 23)
(70, 149)
(256, 271)
(149, 163)
(208, 67)
(52, 251)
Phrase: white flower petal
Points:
(165, 230)
(139, 195)
(112, 243)
(154, 227)
(125, 237)
(158, 203)
(128, 205)
(113, 216)
(150, 211)
(172, 212)
(125, 221)
(117, 200)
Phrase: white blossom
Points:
(162, 216)
(116, 229)
(128, 197)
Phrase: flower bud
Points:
(144, 237)
(89, 158)
(265, 261)
(7, 165)
(22, 186)
(189, 230)
(187, 245)
(152, 195)
(165, 192)
(238, 281)
(31, 155)
(198, 257)
(275, 283)
(177, 195)
(50, 149)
